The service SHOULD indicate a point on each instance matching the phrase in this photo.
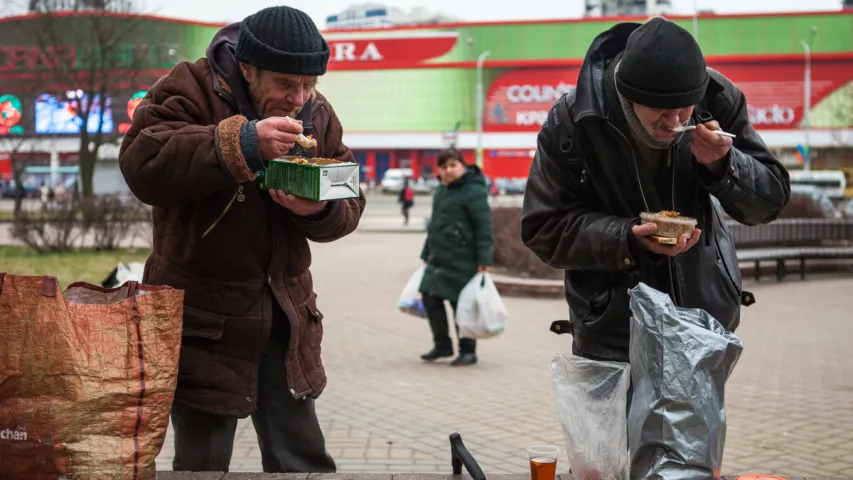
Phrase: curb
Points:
(389, 230)
(528, 287)
(543, 288)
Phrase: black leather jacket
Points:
(585, 191)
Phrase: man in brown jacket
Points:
(252, 330)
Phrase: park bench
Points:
(793, 239)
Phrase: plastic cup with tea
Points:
(543, 462)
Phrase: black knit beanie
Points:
(284, 40)
(662, 67)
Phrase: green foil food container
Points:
(320, 179)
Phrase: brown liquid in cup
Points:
(543, 468)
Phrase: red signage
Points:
(775, 92)
(519, 100)
(376, 52)
(25, 57)
(5, 166)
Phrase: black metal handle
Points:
(461, 456)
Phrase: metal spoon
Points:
(684, 128)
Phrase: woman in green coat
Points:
(458, 244)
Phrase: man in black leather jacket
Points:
(607, 153)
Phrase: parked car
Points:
(7, 188)
(848, 209)
(425, 185)
(809, 201)
(516, 186)
(392, 181)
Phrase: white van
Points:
(392, 181)
(832, 182)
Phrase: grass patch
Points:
(82, 265)
(9, 216)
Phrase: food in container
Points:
(306, 142)
(670, 226)
(315, 179)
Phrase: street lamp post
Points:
(480, 107)
(696, 19)
(807, 98)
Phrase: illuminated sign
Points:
(134, 102)
(10, 115)
(55, 116)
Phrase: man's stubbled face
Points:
(658, 122)
(277, 94)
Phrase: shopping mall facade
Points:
(402, 94)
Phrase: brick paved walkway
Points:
(790, 408)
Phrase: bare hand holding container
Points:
(543, 462)
(670, 226)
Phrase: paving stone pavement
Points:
(790, 399)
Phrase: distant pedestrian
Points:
(60, 195)
(407, 199)
(459, 243)
(44, 195)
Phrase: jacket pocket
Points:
(731, 287)
(462, 233)
(202, 324)
(727, 258)
(605, 311)
(599, 302)
(313, 331)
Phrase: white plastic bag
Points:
(410, 300)
(592, 404)
(480, 312)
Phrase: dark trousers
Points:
(289, 434)
(440, 331)
(405, 210)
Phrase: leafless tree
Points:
(16, 147)
(94, 55)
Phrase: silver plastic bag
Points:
(680, 361)
(591, 405)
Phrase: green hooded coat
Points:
(459, 236)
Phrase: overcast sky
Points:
(467, 10)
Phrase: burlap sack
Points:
(87, 378)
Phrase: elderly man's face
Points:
(658, 122)
(277, 94)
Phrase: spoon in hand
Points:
(684, 128)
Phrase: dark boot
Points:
(435, 354)
(443, 347)
(464, 359)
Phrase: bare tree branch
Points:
(106, 63)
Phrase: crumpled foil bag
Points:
(87, 378)
(680, 361)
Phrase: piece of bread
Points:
(306, 142)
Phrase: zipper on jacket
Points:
(239, 197)
(676, 292)
(636, 164)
